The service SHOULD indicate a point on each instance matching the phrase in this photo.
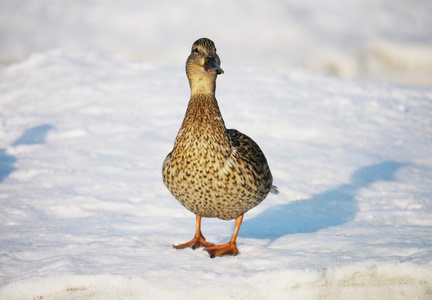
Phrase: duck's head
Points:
(203, 66)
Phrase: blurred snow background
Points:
(380, 39)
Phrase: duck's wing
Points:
(251, 162)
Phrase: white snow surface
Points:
(85, 215)
(380, 39)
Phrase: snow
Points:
(91, 100)
(380, 39)
(85, 214)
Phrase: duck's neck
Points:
(203, 111)
(202, 85)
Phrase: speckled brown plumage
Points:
(213, 171)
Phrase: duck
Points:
(214, 172)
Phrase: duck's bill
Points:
(213, 68)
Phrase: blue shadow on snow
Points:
(6, 164)
(330, 208)
(32, 136)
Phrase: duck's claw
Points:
(196, 242)
(222, 250)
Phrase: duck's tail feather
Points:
(274, 190)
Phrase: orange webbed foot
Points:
(196, 242)
(221, 250)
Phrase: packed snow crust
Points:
(85, 214)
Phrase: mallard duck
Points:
(212, 171)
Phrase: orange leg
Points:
(198, 240)
(229, 248)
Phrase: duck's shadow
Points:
(33, 136)
(327, 209)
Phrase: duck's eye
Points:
(195, 50)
